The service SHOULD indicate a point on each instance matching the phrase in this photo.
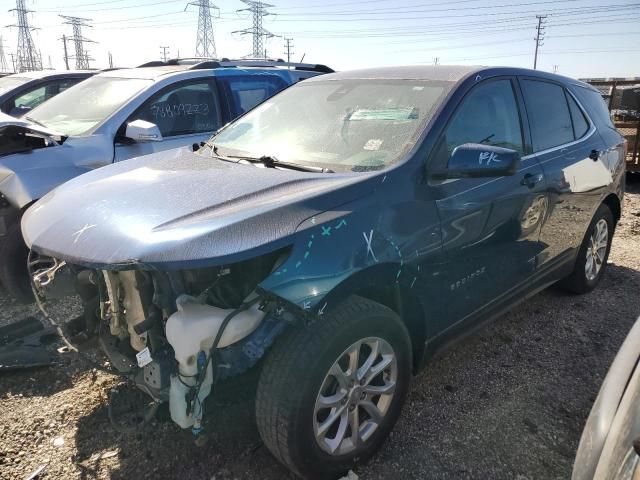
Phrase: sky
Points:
(582, 38)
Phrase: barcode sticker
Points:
(144, 357)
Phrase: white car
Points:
(117, 115)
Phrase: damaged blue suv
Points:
(335, 238)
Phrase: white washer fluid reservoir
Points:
(192, 329)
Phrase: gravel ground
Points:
(508, 402)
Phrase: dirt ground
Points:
(509, 402)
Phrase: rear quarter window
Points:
(248, 91)
(580, 124)
(596, 107)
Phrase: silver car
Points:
(115, 116)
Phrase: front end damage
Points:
(174, 334)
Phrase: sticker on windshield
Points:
(373, 144)
(393, 114)
(418, 88)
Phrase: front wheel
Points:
(593, 254)
(330, 393)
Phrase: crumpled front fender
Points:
(24, 187)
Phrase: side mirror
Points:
(143, 131)
(19, 111)
(474, 160)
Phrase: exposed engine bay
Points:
(18, 139)
(174, 333)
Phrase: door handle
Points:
(531, 179)
(594, 155)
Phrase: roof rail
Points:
(154, 63)
(197, 63)
(176, 61)
(269, 63)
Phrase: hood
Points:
(176, 209)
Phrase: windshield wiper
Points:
(33, 120)
(270, 161)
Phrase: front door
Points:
(186, 112)
(490, 226)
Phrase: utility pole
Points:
(163, 54)
(258, 10)
(66, 54)
(205, 43)
(13, 62)
(4, 67)
(81, 55)
(288, 48)
(539, 38)
(28, 57)
(110, 60)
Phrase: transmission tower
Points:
(81, 55)
(4, 67)
(205, 43)
(28, 57)
(539, 38)
(259, 10)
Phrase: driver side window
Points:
(488, 115)
(183, 109)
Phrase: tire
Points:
(580, 281)
(296, 372)
(13, 265)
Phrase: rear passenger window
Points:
(580, 124)
(488, 115)
(548, 113)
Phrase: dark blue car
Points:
(335, 238)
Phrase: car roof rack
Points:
(262, 63)
(198, 63)
(176, 61)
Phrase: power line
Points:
(29, 58)
(387, 18)
(259, 10)
(205, 43)
(81, 54)
(539, 38)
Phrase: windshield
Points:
(11, 82)
(84, 106)
(347, 125)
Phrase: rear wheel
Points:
(593, 254)
(330, 393)
(13, 265)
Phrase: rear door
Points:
(186, 112)
(568, 147)
(490, 226)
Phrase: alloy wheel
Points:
(597, 249)
(355, 396)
